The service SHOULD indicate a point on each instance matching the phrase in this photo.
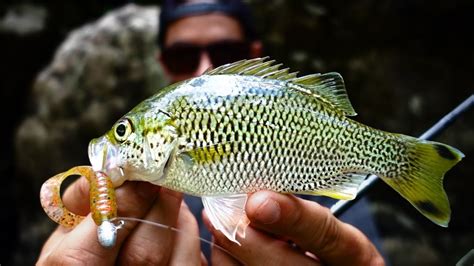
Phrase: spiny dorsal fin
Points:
(327, 87)
(254, 67)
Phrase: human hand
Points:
(320, 238)
(137, 243)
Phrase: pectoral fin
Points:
(227, 214)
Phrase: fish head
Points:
(138, 147)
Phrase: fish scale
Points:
(283, 118)
(250, 126)
(281, 149)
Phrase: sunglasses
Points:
(183, 58)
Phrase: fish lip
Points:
(95, 152)
(103, 155)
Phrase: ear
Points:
(256, 49)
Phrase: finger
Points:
(81, 244)
(203, 260)
(54, 239)
(258, 248)
(78, 246)
(150, 244)
(76, 197)
(312, 227)
(187, 248)
(219, 257)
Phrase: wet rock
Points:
(100, 72)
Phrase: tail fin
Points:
(422, 184)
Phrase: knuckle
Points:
(70, 257)
(296, 219)
(357, 246)
(74, 258)
(141, 255)
(327, 235)
(378, 261)
(132, 201)
(373, 258)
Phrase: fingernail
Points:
(267, 210)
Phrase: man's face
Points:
(194, 44)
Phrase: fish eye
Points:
(122, 130)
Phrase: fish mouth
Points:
(104, 157)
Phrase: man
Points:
(197, 35)
(194, 36)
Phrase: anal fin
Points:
(344, 186)
(227, 214)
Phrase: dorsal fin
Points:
(254, 67)
(327, 87)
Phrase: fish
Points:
(254, 125)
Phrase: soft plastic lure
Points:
(103, 203)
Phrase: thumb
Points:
(312, 227)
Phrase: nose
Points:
(204, 63)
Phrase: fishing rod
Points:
(342, 205)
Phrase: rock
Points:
(98, 73)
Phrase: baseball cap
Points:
(172, 10)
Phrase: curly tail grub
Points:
(102, 197)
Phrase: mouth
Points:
(104, 157)
(101, 154)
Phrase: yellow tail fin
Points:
(422, 184)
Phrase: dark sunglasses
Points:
(183, 58)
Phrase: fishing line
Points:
(122, 220)
(342, 205)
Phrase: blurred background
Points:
(69, 69)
